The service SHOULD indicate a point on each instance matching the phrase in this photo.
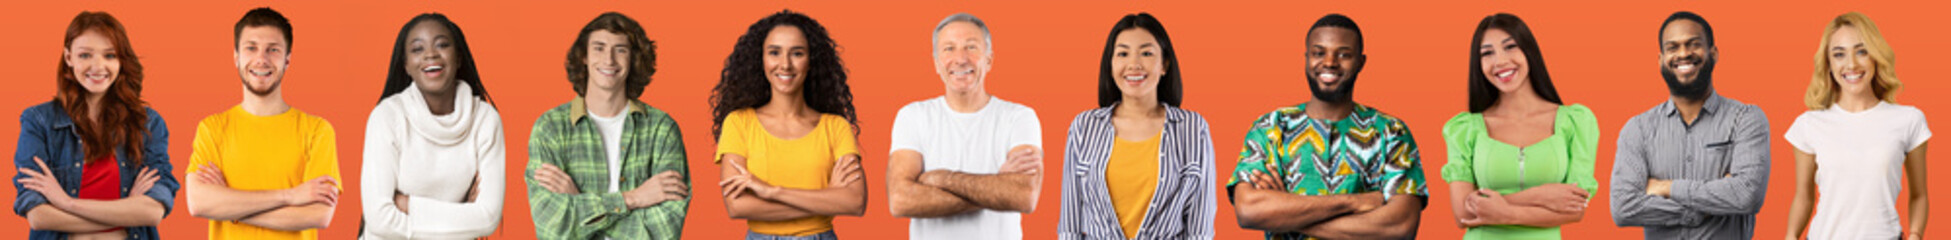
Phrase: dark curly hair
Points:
(397, 77)
(643, 61)
(742, 84)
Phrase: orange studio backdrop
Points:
(1240, 59)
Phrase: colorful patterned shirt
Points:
(565, 137)
(1365, 152)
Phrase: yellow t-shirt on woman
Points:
(797, 162)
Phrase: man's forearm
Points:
(1397, 219)
(132, 211)
(294, 218)
(1278, 211)
(1006, 192)
(915, 200)
(216, 202)
(50, 218)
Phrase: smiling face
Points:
(94, 61)
(1504, 63)
(1334, 58)
(785, 59)
(1684, 51)
(430, 54)
(261, 58)
(608, 60)
(1850, 63)
(1138, 62)
(962, 56)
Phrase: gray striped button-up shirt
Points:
(1718, 165)
(1181, 208)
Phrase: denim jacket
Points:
(47, 133)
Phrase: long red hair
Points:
(122, 120)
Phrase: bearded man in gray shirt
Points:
(1696, 166)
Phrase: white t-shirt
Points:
(612, 131)
(1859, 167)
(976, 143)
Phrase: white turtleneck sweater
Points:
(433, 159)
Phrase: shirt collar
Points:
(1713, 104)
(1172, 114)
(577, 112)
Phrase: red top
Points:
(101, 180)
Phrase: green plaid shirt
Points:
(563, 137)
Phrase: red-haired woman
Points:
(93, 162)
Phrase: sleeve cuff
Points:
(28, 200)
(609, 206)
(164, 196)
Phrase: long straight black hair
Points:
(397, 78)
(1170, 88)
(1482, 94)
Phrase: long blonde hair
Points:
(1822, 89)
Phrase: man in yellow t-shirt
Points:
(262, 170)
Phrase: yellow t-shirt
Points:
(264, 153)
(799, 163)
(1131, 177)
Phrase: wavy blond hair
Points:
(1822, 89)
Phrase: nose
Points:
(1331, 60)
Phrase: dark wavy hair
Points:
(397, 77)
(1170, 88)
(742, 84)
(123, 119)
(643, 61)
(1482, 93)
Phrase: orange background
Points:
(1241, 59)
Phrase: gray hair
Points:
(989, 46)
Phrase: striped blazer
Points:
(1182, 207)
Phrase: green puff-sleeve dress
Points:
(1567, 156)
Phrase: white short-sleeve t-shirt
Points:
(978, 143)
(1859, 166)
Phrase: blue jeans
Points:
(828, 235)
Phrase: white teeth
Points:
(784, 77)
(431, 68)
(1852, 77)
(1326, 75)
(606, 72)
(1134, 78)
(260, 72)
(1684, 67)
(1506, 73)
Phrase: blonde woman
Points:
(1860, 138)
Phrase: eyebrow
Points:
(1842, 47)
(1139, 45)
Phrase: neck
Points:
(266, 105)
(440, 102)
(967, 101)
(1524, 100)
(1857, 102)
(1139, 106)
(94, 101)
(786, 104)
(604, 103)
(1320, 109)
(1689, 107)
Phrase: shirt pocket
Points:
(1714, 155)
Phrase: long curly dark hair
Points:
(397, 77)
(742, 84)
(123, 118)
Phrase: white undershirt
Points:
(612, 131)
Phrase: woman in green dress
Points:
(1520, 161)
